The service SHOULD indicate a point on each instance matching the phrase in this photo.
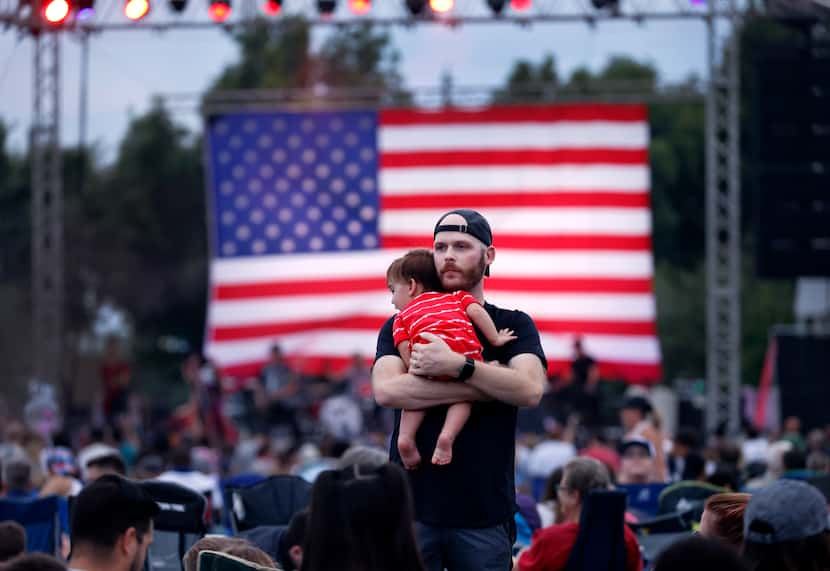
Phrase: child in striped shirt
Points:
(424, 307)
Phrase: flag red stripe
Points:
(537, 242)
(608, 370)
(514, 157)
(518, 199)
(231, 292)
(517, 114)
(596, 327)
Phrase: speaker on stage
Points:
(803, 377)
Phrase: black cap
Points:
(637, 403)
(476, 226)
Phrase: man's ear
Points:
(490, 255)
(127, 543)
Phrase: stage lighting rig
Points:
(54, 12)
(272, 7)
(496, 6)
(360, 7)
(441, 6)
(178, 5)
(326, 7)
(219, 10)
(136, 9)
(86, 9)
(521, 5)
(416, 7)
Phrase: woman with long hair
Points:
(361, 520)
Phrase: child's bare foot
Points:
(443, 450)
(409, 453)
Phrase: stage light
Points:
(521, 5)
(55, 11)
(602, 4)
(360, 7)
(497, 6)
(272, 7)
(136, 9)
(178, 5)
(86, 9)
(441, 6)
(416, 7)
(219, 10)
(326, 7)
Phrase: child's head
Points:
(412, 275)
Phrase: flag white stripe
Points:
(552, 135)
(453, 180)
(619, 348)
(373, 264)
(531, 221)
(606, 307)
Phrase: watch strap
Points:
(467, 370)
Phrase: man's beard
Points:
(470, 278)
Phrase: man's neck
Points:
(85, 563)
(477, 291)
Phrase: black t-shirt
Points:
(477, 489)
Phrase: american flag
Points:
(309, 208)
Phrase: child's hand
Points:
(504, 336)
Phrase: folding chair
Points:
(182, 521)
(687, 495)
(270, 502)
(40, 517)
(217, 561)
(644, 499)
(600, 543)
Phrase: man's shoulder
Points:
(501, 313)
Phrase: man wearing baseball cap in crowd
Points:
(785, 528)
(464, 509)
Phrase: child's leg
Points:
(410, 421)
(457, 416)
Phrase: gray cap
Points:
(786, 510)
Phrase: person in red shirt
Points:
(551, 546)
(115, 380)
(425, 308)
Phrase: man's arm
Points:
(395, 388)
(520, 383)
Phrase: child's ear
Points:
(413, 286)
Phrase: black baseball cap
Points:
(637, 403)
(476, 226)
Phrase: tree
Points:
(529, 82)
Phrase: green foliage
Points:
(529, 82)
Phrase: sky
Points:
(127, 68)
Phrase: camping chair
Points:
(226, 485)
(40, 517)
(600, 543)
(270, 502)
(643, 499)
(687, 495)
(181, 522)
(267, 538)
(217, 561)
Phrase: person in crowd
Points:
(423, 307)
(723, 518)
(111, 463)
(292, 541)
(775, 465)
(640, 421)
(580, 385)
(785, 528)
(361, 519)
(34, 562)
(818, 462)
(598, 447)
(551, 546)
(362, 455)
(112, 526)
(699, 553)
(17, 479)
(792, 433)
(281, 392)
(474, 530)
(12, 540)
(548, 507)
(554, 451)
(115, 374)
(754, 447)
(685, 443)
(235, 546)
(637, 465)
(182, 471)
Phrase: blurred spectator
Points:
(685, 443)
(548, 507)
(725, 477)
(112, 526)
(755, 447)
(551, 546)
(795, 465)
(817, 441)
(182, 471)
(554, 451)
(818, 462)
(105, 464)
(597, 447)
(148, 465)
(17, 479)
(785, 528)
(723, 518)
(580, 386)
(12, 540)
(792, 432)
(637, 462)
(775, 465)
(361, 519)
(699, 553)
(114, 374)
(282, 396)
(292, 541)
(640, 421)
(34, 562)
(363, 456)
(235, 546)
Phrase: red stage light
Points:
(521, 5)
(272, 7)
(441, 6)
(219, 10)
(136, 9)
(360, 7)
(55, 11)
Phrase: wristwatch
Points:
(467, 370)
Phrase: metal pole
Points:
(83, 100)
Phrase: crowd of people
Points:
(416, 463)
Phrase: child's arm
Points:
(403, 349)
(479, 316)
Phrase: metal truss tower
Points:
(47, 207)
(723, 223)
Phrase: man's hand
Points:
(434, 358)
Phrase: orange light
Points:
(56, 11)
(360, 7)
(219, 10)
(521, 5)
(136, 9)
(441, 6)
(272, 7)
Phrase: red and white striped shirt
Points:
(445, 315)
